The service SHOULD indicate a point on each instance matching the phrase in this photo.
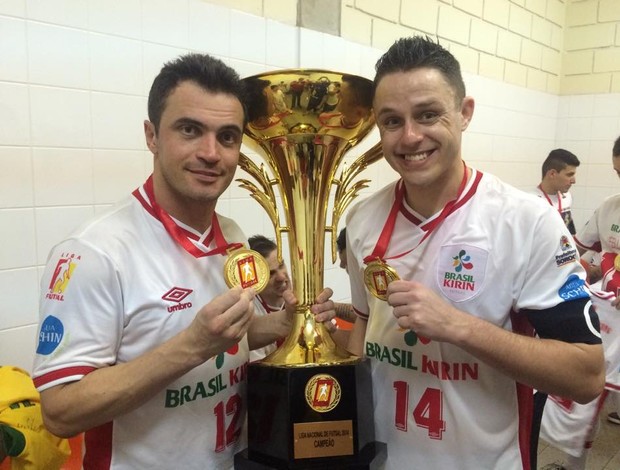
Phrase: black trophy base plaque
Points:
(314, 417)
(371, 457)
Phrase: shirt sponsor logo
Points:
(177, 295)
(50, 335)
(206, 389)
(569, 253)
(573, 288)
(460, 271)
(404, 358)
(61, 276)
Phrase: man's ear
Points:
(150, 134)
(467, 111)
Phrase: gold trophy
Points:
(310, 401)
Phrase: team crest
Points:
(461, 271)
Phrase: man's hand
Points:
(324, 309)
(223, 322)
(418, 308)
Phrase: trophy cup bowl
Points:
(302, 122)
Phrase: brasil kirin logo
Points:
(458, 279)
(461, 261)
(411, 338)
(461, 271)
(219, 359)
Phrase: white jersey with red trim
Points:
(569, 426)
(562, 203)
(496, 252)
(602, 234)
(114, 290)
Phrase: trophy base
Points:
(371, 457)
(319, 416)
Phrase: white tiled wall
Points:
(74, 76)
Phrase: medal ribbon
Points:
(179, 235)
(378, 252)
(549, 199)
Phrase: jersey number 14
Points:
(428, 413)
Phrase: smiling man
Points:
(142, 345)
(471, 264)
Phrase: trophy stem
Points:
(309, 343)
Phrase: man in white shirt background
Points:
(558, 175)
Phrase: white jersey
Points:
(602, 234)
(261, 308)
(497, 252)
(117, 288)
(569, 426)
(562, 203)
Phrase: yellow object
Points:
(29, 445)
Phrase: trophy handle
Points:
(265, 197)
(347, 190)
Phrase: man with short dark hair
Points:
(558, 175)
(448, 278)
(142, 345)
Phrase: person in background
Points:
(142, 345)
(279, 100)
(471, 264)
(271, 299)
(558, 175)
(569, 426)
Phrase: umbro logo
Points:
(177, 294)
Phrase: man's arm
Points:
(571, 370)
(356, 337)
(345, 312)
(106, 393)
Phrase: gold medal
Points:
(377, 276)
(617, 262)
(246, 268)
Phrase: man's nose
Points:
(208, 149)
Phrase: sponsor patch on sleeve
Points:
(50, 335)
(567, 252)
(573, 288)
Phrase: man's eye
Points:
(428, 116)
(229, 138)
(390, 122)
(188, 130)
